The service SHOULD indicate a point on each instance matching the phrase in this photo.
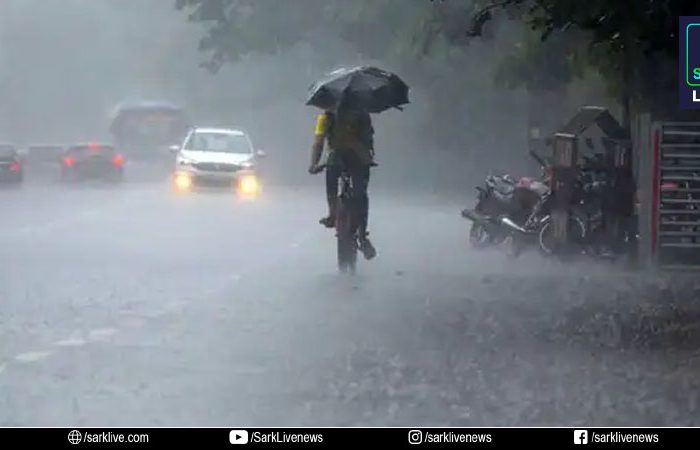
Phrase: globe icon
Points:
(74, 437)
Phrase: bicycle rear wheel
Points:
(547, 242)
(347, 242)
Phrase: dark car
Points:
(92, 161)
(11, 169)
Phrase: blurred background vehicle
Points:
(92, 161)
(144, 129)
(11, 167)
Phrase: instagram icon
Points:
(415, 437)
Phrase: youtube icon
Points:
(238, 437)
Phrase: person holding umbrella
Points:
(350, 137)
(347, 96)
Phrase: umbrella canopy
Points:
(369, 88)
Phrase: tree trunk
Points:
(626, 110)
(626, 91)
(629, 81)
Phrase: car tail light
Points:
(15, 166)
(118, 160)
(68, 161)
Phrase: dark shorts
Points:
(357, 170)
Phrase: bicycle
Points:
(347, 222)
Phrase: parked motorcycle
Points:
(522, 211)
(529, 223)
(504, 206)
(492, 201)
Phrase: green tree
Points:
(634, 44)
(424, 39)
(236, 29)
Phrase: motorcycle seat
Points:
(501, 186)
(504, 196)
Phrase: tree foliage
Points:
(620, 38)
(634, 44)
(236, 28)
(647, 25)
(541, 66)
(631, 43)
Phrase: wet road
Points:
(134, 306)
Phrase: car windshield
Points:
(219, 142)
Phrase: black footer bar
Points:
(411, 438)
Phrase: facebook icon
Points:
(580, 436)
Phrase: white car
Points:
(217, 157)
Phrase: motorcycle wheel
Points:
(479, 237)
(517, 247)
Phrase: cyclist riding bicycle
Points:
(350, 137)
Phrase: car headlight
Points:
(249, 186)
(183, 181)
(185, 162)
(247, 164)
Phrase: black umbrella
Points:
(368, 88)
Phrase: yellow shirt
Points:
(346, 135)
(321, 125)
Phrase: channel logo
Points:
(580, 436)
(238, 437)
(415, 437)
(689, 62)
